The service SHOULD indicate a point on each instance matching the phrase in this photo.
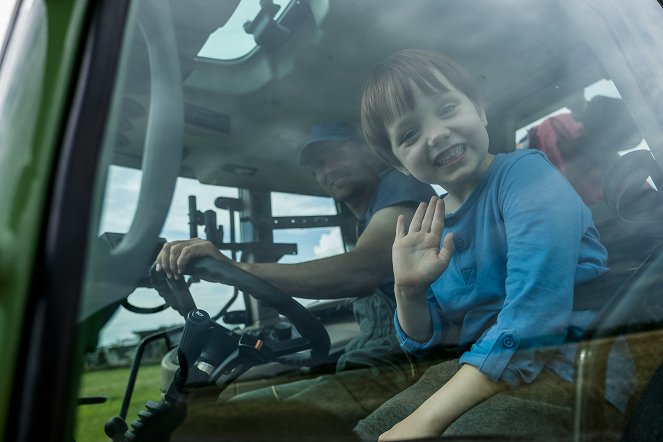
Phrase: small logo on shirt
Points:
(469, 275)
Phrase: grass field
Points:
(112, 383)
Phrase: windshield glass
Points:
(6, 11)
(259, 226)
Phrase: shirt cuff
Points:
(494, 363)
(410, 345)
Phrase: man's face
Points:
(342, 169)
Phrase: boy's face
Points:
(443, 140)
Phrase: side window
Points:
(106, 366)
(313, 243)
(120, 200)
(609, 107)
(584, 138)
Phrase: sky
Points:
(236, 42)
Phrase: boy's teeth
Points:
(450, 155)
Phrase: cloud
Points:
(121, 198)
(285, 204)
(330, 244)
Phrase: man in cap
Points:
(372, 368)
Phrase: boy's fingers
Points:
(400, 227)
(415, 224)
(438, 219)
(428, 217)
(448, 249)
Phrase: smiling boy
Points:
(499, 286)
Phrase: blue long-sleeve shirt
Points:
(523, 240)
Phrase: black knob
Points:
(198, 316)
(283, 331)
(115, 428)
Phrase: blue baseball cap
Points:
(326, 131)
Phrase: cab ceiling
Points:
(246, 121)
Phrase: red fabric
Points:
(556, 137)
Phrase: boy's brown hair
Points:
(388, 92)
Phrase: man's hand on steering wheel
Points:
(175, 255)
(176, 292)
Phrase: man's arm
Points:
(355, 273)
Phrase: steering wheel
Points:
(176, 293)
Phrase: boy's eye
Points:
(447, 110)
(408, 136)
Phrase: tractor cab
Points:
(127, 124)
